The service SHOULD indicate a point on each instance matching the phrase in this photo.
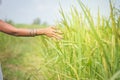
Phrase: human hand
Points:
(52, 32)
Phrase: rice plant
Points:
(89, 50)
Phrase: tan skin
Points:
(11, 30)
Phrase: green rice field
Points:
(89, 50)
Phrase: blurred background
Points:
(40, 58)
(25, 11)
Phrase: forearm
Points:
(9, 29)
(29, 32)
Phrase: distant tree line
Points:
(0, 1)
(9, 21)
(36, 21)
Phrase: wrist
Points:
(41, 32)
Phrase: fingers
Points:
(54, 28)
(53, 32)
(57, 31)
(57, 36)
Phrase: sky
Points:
(25, 11)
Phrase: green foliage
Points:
(9, 21)
(37, 21)
(12, 53)
(87, 52)
(90, 50)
